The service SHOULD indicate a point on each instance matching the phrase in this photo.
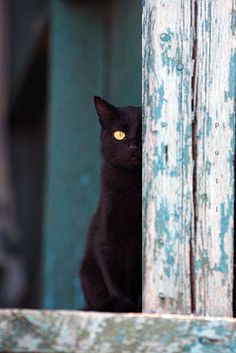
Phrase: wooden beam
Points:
(189, 79)
(167, 156)
(215, 96)
(85, 332)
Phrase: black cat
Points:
(111, 271)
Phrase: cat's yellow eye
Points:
(119, 135)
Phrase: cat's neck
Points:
(119, 178)
(111, 168)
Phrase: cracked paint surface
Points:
(189, 69)
(85, 332)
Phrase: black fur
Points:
(111, 270)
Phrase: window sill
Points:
(76, 331)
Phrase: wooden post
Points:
(214, 106)
(167, 155)
(189, 63)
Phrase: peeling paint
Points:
(233, 21)
(232, 75)
(161, 100)
(84, 332)
(189, 75)
(167, 181)
(215, 112)
(208, 124)
(226, 215)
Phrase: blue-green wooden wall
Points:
(27, 133)
(95, 50)
(125, 47)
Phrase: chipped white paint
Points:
(167, 155)
(215, 114)
(81, 332)
(187, 234)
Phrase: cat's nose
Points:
(133, 150)
(132, 146)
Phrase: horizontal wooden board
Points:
(86, 332)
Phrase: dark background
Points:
(59, 55)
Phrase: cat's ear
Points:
(104, 109)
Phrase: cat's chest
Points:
(125, 207)
(130, 201)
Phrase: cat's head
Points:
(121, 134)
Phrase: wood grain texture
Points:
(80, 332)
(214, 92)
(167, 155)
(189, 53)
(73, 148)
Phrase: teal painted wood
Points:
(90, 55)
(167, 156)
(80, 332)
(26, 21)
(73, 152)
(215, 96)
(189, 234)
(124, 81)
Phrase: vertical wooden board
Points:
(167, 155)
(215, 120)
(124, 78)
(73, 151)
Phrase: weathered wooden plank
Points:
(124, 61)
(167, 151)
(215, 72)
(67, 332)
(77, 53)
